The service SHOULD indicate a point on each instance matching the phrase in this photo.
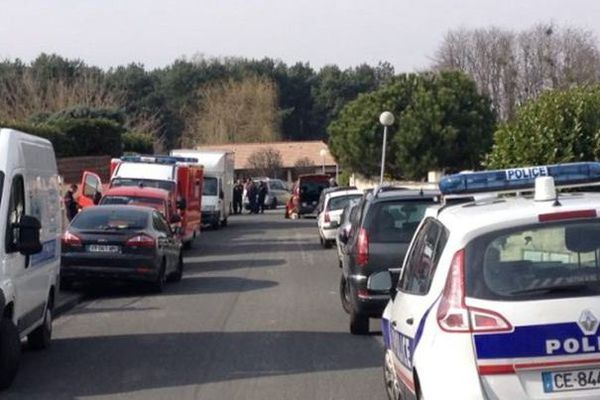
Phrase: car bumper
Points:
(365, 302)
(210, 217)
(328, 234)
(121, 268)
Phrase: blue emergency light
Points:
(157, 159)
(516, 179)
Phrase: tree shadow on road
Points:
(225, 265)
(89, 366)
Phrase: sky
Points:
(108, 33)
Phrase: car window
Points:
(339, 202)
(16, 210)
(210, 187)
(160, 224)
(102, 218)
(395, 221)
(422, 261)
(555, 260)
(108, 200)
(91, 185)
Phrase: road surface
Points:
(257, 316)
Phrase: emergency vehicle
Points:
(499, 295)
(182, 177)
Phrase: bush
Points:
(90, 137)
(135, 142)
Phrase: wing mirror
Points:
(27, 235)
(380, 282)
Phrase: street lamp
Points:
(323, 153)
(386, 119)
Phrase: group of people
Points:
(256, 193)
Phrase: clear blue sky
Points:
(344, 32)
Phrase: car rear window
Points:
(395, 221)
(340, 202)
(101, 218)
(117, 200)
(550, 261)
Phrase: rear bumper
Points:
(134, 268)
(368, 304)
(328, 234)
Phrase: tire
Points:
(158, 286)
(216, 224)
(359, 324)
(345, 295)
(224, 222)
(66, 284)
(40, 338)
(390, 380)
(327, 244)
(10, 352)
(178, 274)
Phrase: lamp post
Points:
(323, 153)
(386, 119)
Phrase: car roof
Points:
(344, 192)
(137, 191)
(505, 212)
(404, 194)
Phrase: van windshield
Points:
(557, 260)
(166, 185)
(210, 186)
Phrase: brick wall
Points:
(71, 168)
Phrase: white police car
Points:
(499, 298)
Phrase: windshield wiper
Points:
(571, 287)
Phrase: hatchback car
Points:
(124, 243)
(378, 240)
(277, 193)
(501, 295)
(328, 219)
(345, 225)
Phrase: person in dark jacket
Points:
(71, 205)
(252, 192)
(262, 195)
(238, 191)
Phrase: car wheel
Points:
(224, 222)
(359, 324)
(216, 224)
(345, 295)
(66, 284)
(178, 274)
(10, 351)
(158, 286)
(392, 387)
(40, 338)
(327, 244)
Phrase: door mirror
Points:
(175, 219)
(181, 204)
(28, 235)
(380, 282)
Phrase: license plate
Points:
(563, 381)
(103, 248)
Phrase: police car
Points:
(499, 296)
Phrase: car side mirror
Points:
(175, 219)
(181, 204)
(28, 239)
(380, 282)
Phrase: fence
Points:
(71, 168)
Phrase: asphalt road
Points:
(257, 316)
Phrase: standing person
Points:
(238, 191)
(71, 205)
(262, 195)
(252, 192)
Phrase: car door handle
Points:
(410, 321)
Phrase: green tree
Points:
(442, 122)
(560, 126)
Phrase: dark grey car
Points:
(381, 230)
(121, 243)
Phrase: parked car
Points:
(305, 194)
(328, 219)
(344, 227)
(278, 193)
(127, 243)
(378, 239)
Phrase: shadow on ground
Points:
(89, 366)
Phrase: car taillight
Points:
(362, 246)
(141, 241)
(453, 315)
(71, 239)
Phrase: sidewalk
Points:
(65, 301)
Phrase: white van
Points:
(30, 231)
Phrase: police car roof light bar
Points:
(158, 159)
(518, 179)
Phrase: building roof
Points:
(290, 152)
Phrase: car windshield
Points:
(395, 221)
(102, 218)
(210, 186)
(166, 185)
(340, 202)
(558, 260)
